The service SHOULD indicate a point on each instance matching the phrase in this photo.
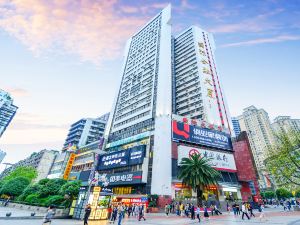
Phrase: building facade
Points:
(246, 169)
(42, 161)
(236, 125)
(169, 103)
(261, 136)
(285, 124)
(7, 110)
(86, 131)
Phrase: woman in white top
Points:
(198, 213)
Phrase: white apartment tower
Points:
(143, 104)
(197, 91)
(260, 133)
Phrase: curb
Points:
(32, 218)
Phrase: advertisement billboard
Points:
(219, 160)
(198, 135)
(124, 178)
(131, 156)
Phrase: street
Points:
(274, 216)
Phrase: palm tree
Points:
(198, 174)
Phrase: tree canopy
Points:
(283, 160)
(27, 172)
(198, 174)
(15, 186)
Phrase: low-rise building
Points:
(42, 161)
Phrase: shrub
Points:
(51, 187)
(33, 199)
(70, 188)
(283, 193)
(54, 200)
(15, 186)
(31, 189)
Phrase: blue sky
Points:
(61, 61)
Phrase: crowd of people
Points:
(118, 212)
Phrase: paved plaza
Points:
(274, 216)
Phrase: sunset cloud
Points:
(276, 39)
(93, 30)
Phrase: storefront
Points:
(130, 200)
(100, 200)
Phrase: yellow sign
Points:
(69, 166)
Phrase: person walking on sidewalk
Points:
(217, 210)
(198, 210)
(87, 213)
(206, 215)
(120, 213)
(167, 210)
(192, 212)
(141, 213)
(49, 215)
(251, 210)
(245, 211)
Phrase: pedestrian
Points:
(49, 215)
(181, 209)
(114, 214)
(120, 213)
(136, 211)
(129, 211)
(234, 209)
(238, 210)
(87, 213)
(206, 215)
(177, 209)
(262, 212)
(198, 210)
(167, 210)
(245, 211)
(192, 212)
(251, 210)
(141, 213)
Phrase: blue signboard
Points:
(113, 160)
(137, 155)
(131, 156)
(201, 136)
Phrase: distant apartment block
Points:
(86, 131)
(285, 124)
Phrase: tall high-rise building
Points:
(86, 131)
(285, 124)
(236, 125)
(7, 110)
(197, 90)
(170, 104)
(260, 134)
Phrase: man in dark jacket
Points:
(87, 213)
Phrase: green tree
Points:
(268, 194)
(198, 174)
(30, 189)
(70, 188)
(27, 172)
(15, 187)
(283, 193)
(52, 187)
(283, 159)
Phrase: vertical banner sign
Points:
(69, 166)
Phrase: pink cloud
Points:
(94, 30)
(17, 92)
(276, 39)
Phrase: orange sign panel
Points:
(69, 166)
